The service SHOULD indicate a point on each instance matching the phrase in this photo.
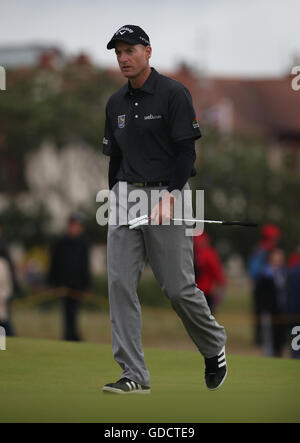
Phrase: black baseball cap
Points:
(77, 217)
(131, 34)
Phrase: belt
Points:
(145, 184)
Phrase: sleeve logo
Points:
(195, 123)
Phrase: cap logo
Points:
(144, 40)
(123, 30)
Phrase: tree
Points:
(240, 184)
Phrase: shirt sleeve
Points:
(114, 166)
(182, 119)
(185, 151)
(110, 146)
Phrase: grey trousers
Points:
(170, 254)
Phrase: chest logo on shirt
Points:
(152, 117)
(121, 121)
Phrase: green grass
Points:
(51, 381)
(162, 328)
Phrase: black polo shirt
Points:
(143, 124)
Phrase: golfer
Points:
(150, 135)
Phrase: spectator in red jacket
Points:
(210, 277)
(294, 258)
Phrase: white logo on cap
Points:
(144, 40)
(124, 29)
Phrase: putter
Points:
(144, 220)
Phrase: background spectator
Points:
(5, 294)
(210, 277)
(294, 301)
(271, 294)
(270, 235)
(69, 269)
(294, 258)
(8, 285)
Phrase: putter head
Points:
(139, 221)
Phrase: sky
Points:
(252, 38)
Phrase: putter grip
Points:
(238, 223)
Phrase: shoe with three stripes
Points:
(215, 370)
(126, 386)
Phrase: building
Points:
(28, 56)
(266, 108)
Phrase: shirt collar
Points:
(149, 85)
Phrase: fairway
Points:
(51, 381)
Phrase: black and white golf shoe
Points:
(215, 370)
(126, 386)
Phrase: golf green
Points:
(51, 381)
